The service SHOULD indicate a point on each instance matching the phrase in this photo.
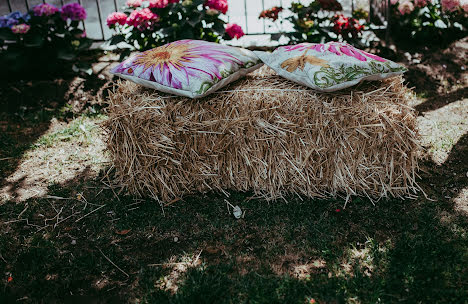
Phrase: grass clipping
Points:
(266, 135)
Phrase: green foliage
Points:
(428, 24)
(318, 22)
(51, 44)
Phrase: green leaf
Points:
(187, 34)
(194, 19)
(85, 43)
(124, 54)
(7, 34)
(276, 37)
(66, 54)
(167, 31)
(34, 40)
(218, 27)
(116, 39)
(198, 2)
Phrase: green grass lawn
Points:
(67, 236)
(197, 252)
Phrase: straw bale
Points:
(266, 135)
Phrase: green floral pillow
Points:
(328, 67)
(191, 68)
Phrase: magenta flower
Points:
(175, 63)
(158, 3)
(45, 10)
(20, 28)
(142, 19)
(336, 48)
(234, 31)
(73, 11)
(134, 3)
(422, 3)
(219, 5)
(116, 18)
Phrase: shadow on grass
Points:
(27, 110)
(84, 242)
(438, 101)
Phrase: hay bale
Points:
(267, 135)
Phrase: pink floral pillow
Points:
(189, 68)
(328, 67)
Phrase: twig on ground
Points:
(89, 213)
(57, 197)
(110, 261)
(110, 187)
(63, 220)
(24, 210)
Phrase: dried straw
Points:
(267, 135)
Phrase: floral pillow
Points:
(328, 67)
(191, 68)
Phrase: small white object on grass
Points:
(237, 211)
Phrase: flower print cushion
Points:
(328, 67)
(189, 68)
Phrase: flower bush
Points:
(145, 24)
(41, 40)
(429, 21)
(317, 22)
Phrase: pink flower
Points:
(393, 2)
(338, 48)
(175, 63)
(158, 3)
(421, 3)
(116, 18)
(142, 19)
(234, 30)
(44, 10)
(20, 28)
(73, 11)
(219, 5)
(406, 7)
(450, 5)
(134, 3)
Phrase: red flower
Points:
(158, 3)
(337, 210)
(271, 13)
(10, 278)
(219, 5)
(234, 30)
(345, 26)
(115, 18)
(143, 19)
